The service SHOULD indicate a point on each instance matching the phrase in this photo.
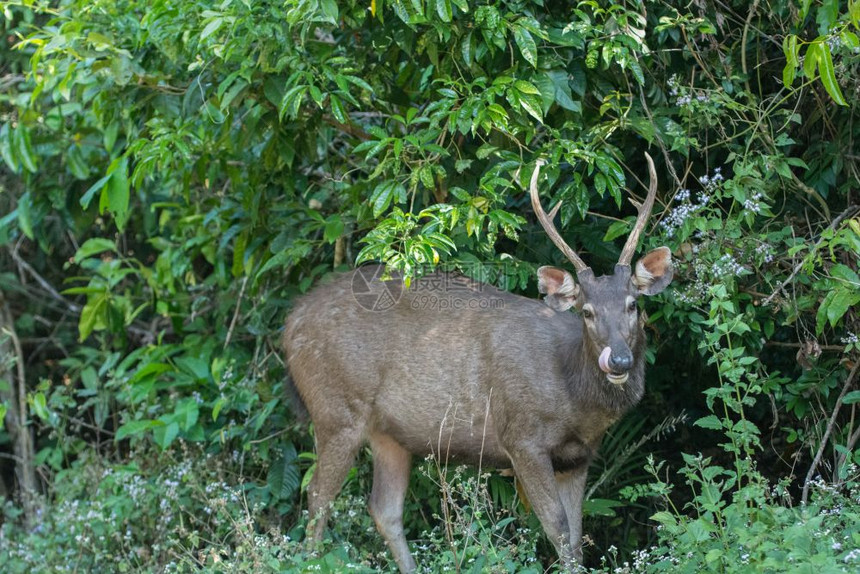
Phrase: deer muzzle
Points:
(607, 361)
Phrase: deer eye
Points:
(631, 306)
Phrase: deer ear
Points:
(560, 288)
(653, 272)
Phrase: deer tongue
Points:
(603, 360)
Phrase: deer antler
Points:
(546, 222)
(644, 214)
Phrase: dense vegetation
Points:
(174, 173)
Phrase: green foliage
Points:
(754, 528)
(176, 173)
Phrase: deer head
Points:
(607, 304)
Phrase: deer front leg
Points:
(391, 463)
(534, 471)
(571, 489)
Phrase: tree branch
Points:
(849, 211)
(43, 283)
(831, 423)
(17, 416)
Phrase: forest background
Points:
(175, 173)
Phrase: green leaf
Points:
(292, 101)
(810, 60)
(279, 259)
(526, 87)
(400, 9)
(110, 134)
(382, 195)
(93, 246)
(231, 94)
(664, 518)
(843, 299)
(355, 80)
(39, 406)
(165, 434)
(135, 428)
(309, 474)
(828, 76)
(93, 316)
(239, 248)
(709, 422)
(330, 11)
(600, 507)
(210, 28)
(526, 44)
(600, 184)
(845, 273)
(283, 478)
(821, 315)
(115, 195)
(6, 149)
(789, 72)
(217, 407)
(24, 149)
(443, 8)
(633, 66)
(150, 371)
(25, 214)
(854, 13)
(425, 174)
(333, 228)
(76, 162)
(789, 48)
(617, 229)
(88, 195)
(531, 104)
(563, 95)
(466, 49)
(196, 366)
(338, 110)
(100, 42)
(186, 413)
(851, 398)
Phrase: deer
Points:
(521, 384)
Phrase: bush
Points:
(176, 173)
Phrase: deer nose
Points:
(621, 363)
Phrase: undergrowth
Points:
(190, 517)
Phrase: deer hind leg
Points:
(335, 455)
(391, 464)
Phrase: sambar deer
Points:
(497, 379)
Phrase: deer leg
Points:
(571, 489)
(535, 473)
(335, 455)
(391, 463)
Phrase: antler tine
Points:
(546, 222)
(644, 214)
